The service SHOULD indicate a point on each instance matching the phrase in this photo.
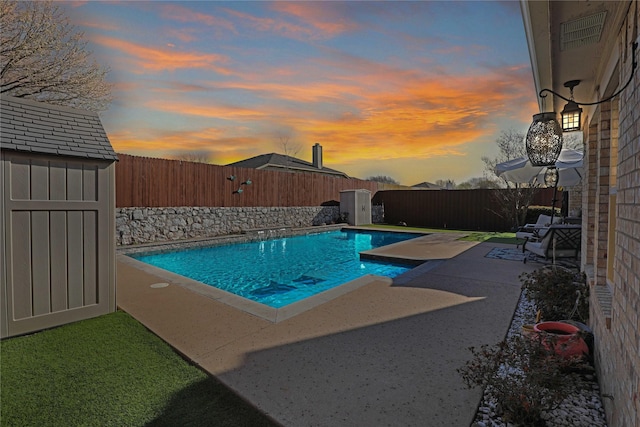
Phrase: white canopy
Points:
(569, 165)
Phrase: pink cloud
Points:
(278, 26)
(100, 25)
(329, 21)
(77, 3)
(182, 14)
(184, 35)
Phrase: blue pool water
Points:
(282, 271)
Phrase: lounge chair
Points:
(559, 241)
(534, 231)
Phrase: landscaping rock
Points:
(149, 225)
(583, 407)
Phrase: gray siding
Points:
(58, 239)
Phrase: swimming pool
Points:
(282, 271)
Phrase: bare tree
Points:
(193, 156)
(510, 146)
(43, 57)
(513, 202)
(447, 184)
(383, 178)
(478, 183)
(290, 149)
(573, 140)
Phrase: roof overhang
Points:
(592, 60)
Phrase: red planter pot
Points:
(567, 341)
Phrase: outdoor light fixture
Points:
(247, 182)
(544, 138)
(231, 178)
(238, 191)
(572, 113)
(551, 176)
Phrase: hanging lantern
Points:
(572, 113)
(544, 140)
(551, 176)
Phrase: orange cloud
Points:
(368, 111)
(211, 111)
(417, 115)
(218, 147)
(154, 59)
(387, 114)
(395, 134)
(125, 88)
(300, 92)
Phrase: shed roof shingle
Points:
(36, 127)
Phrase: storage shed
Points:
(356, 204)
(58, 207)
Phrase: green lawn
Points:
(493, 237)
(110, 371)
(474, 236)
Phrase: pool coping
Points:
(257, 309)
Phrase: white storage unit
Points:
(356, 205)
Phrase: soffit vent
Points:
(582, 32)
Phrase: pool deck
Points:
(382, 353)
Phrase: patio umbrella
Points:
(569, 165)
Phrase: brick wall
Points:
(615, 300)
(575, 200)
(601, 233)
(588, 194)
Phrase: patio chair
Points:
(534, 231)
(559, 241)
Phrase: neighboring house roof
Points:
(36, 127)
(427, 185)
(274, 161)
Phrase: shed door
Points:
(58, 253)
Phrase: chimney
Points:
(317, 156)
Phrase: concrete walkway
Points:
(385, 353)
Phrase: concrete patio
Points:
(383, 353)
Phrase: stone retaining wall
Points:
(148, 225)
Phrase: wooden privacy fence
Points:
(148, 182)
(459, 209)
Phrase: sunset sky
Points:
(418, 91)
